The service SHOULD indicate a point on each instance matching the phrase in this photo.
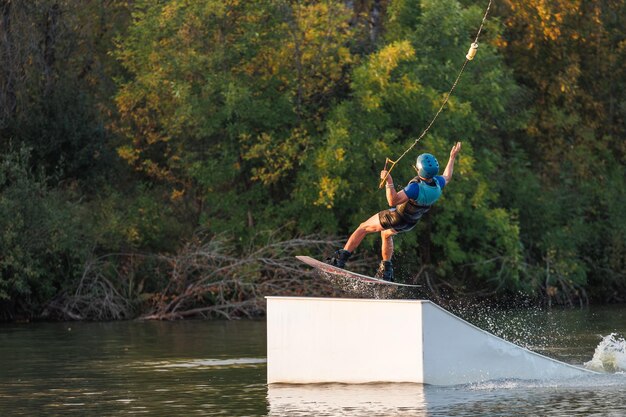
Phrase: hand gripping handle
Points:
(393, 164)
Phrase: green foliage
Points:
(134, 220)
(139, 123)
(566, 175)
(41, 240)
(54, 85)
(224, 99)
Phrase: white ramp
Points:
(322, 340)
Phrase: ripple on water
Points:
(209, 363)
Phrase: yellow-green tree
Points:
(224, 98)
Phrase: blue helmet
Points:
(427, 166)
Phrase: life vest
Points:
(412, 210)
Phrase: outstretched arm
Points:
(447, 173)
(393, 198)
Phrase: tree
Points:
(569, 57)
(224, 98)
(54, 55)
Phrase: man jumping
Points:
(407, 207)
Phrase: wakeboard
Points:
(333, 270)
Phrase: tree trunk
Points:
(375, 21)
(49, 52)
(7, 74)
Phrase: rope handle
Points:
(393, 164)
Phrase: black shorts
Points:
(391, 219)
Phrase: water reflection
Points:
(594, 394)
(340, 399)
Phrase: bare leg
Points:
(387, 246)
(370, 225)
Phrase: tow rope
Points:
(471, 53)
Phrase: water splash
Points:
(610, 355)
(530, 327)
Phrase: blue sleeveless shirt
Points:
(422, 196)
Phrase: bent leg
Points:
(387, 246)
(371, 225)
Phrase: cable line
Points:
(471, 53)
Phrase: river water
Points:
(219, 368)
